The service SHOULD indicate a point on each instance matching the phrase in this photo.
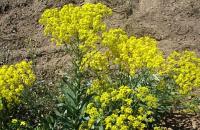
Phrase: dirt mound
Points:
(174, 23)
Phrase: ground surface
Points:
(175, 24)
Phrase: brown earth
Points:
(175, 24)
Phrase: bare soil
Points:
(175, 24)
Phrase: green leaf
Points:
(58, 113)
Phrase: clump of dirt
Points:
(173, 23)
(177, 121)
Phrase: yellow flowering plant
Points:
(78, 29)
(184, 68)
(116, 81)
(14, 79)
(120, 109)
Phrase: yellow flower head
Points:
(14, 121)
(185, 69)
(13, 80)
(22, 123)
(71, 22)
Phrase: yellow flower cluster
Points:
(21, 123)
(95, 60)
(94, 113)
(73, 22)
(184, 67)
(98, 86)
(141, 53)
(13, 80)
(131, 54)
(101, 48)
(144, 95)
(115, 108)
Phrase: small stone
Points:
(194, 124)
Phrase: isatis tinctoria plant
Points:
(14, 79)
(116, 82)
(78, 29)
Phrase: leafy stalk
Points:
(71, 104)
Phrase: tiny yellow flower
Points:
(22, 123)
(14, 121)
